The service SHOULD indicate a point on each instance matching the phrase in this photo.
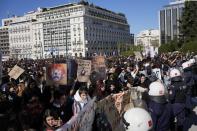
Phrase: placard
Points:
(57, 74)
(138, 55)
(98, 65)
(157, 72)
(16, 72)
(83, 70)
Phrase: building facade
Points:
(149, 39)
(78, 29)
(4, 43)
(169, 21)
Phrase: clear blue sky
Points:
(141, 14)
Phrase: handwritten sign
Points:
(16, 72)
(157, 72)
(84, 70)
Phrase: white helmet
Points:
(156, 89)
(137, 119)
(186, 64)
(174, 73)
(192, 61)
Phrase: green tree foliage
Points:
(128, 50)
(168, 47)
(188, 23)
(189, 47)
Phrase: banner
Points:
(98, 66)
(157, 72)
(1, 67)
(83, 120)
(113, 106)
(16, 72)
(57, 74)
(84, 70)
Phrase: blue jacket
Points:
(161, 114)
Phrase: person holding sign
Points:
(81, 98)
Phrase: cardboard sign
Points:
(16, 72)
(98, 65)
(138, 55)
(57, 74)
(157, 72)
(84, 70)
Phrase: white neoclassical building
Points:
(149, 39)
(76, 29)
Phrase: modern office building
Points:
(169, 21)
(4, 43)
(76, 29)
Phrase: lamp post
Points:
(66, 44)
(51, 33)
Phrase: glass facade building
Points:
(169, 21)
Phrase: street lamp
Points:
(51, 33)
(66, 44)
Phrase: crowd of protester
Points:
(29, 104)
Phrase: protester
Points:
(28, 97)
(81, 98)
(49, 121)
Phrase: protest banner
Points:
(84, 70)
(113, 106)
(16, 72)
(87, 116)
(83, 120)
(107, 107)
(157, 72)
(57, 74)
(98, 66)
(1, 66)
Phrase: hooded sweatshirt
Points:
(79, 103)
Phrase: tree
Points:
(188, 22)
(169, 47)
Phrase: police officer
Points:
(159, 108)
(189, 80)
(177, 97)
(137, 119)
